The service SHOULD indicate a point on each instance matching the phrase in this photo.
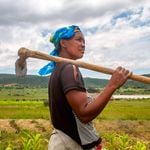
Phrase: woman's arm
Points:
(88, 111)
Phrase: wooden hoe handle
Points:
(25, 53)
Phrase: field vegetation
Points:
(25, 119)
(124, 124)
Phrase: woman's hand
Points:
(119, 77)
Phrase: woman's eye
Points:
(79, 40)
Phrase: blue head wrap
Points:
(62, 33)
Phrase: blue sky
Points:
(116, 32)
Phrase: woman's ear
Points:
(63, 43)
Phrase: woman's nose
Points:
(83, 44)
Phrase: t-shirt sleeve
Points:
(71, 79)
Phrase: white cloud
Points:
(110, 40)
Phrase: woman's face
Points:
(75, 46)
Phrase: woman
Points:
(71, 109)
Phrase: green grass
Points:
(23, 94)
(23, 110)
(123, 109)
(127, 110)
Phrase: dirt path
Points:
(138, 129)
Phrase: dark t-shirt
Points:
(64, 78)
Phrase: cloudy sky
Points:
(116, 32)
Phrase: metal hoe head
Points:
(21, 67)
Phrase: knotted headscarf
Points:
(62, 33)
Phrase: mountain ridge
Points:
(39, 81)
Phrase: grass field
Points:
(127, 110)
(123, 124)
(23, 110)
(11, 93)
(122, 109)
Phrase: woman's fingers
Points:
(124, 71)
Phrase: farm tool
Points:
(24, 53)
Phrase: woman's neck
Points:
(64, 54)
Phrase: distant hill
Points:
(94, 82)
(27, 81)
(38, 81)
(135, 84)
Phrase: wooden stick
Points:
(24, 53)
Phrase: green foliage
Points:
(31, 141)
(6, 140)
(140, 145)
(115, 141)
(131, 90)
(111, 141)
(10, 147)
